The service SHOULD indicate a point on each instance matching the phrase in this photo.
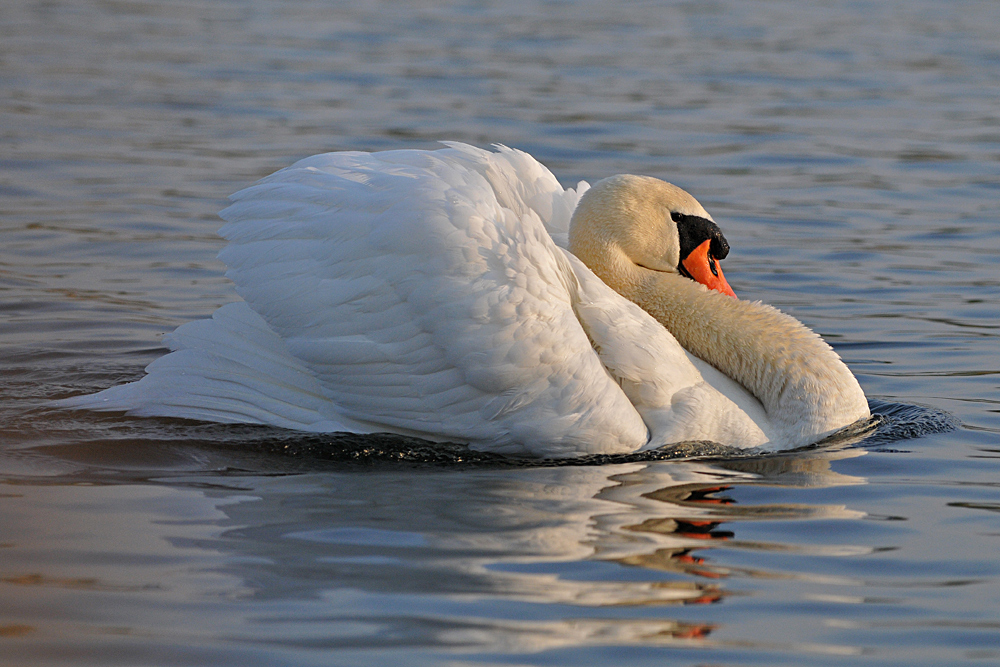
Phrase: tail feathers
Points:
(231, 369)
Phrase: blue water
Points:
(849, 150)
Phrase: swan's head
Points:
(628, 221)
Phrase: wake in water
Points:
(890, 422)
(901, 421)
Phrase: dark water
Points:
(851, 153)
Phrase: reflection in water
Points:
(686, 517)
(430, 558)
(276, 546)
(383, 558)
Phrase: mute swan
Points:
(448, 295)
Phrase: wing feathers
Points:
(424, 288)
(411, 291)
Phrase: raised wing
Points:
(423, 292)
(523, 184)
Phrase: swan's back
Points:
(425, 294)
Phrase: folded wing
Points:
(430, 299)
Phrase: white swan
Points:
(446, 294)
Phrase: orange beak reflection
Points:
(705, 269)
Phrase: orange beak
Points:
(705, 269)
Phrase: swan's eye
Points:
(675, 216)
(711, 265)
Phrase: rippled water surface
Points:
(850, 152)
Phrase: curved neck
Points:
(802, 383)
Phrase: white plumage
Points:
(431, 293)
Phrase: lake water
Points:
(849, 150)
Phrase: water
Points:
(848, 149)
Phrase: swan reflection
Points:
(443, 558)
(401, 546)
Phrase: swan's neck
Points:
(802, 383)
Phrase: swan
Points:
(462, 294)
